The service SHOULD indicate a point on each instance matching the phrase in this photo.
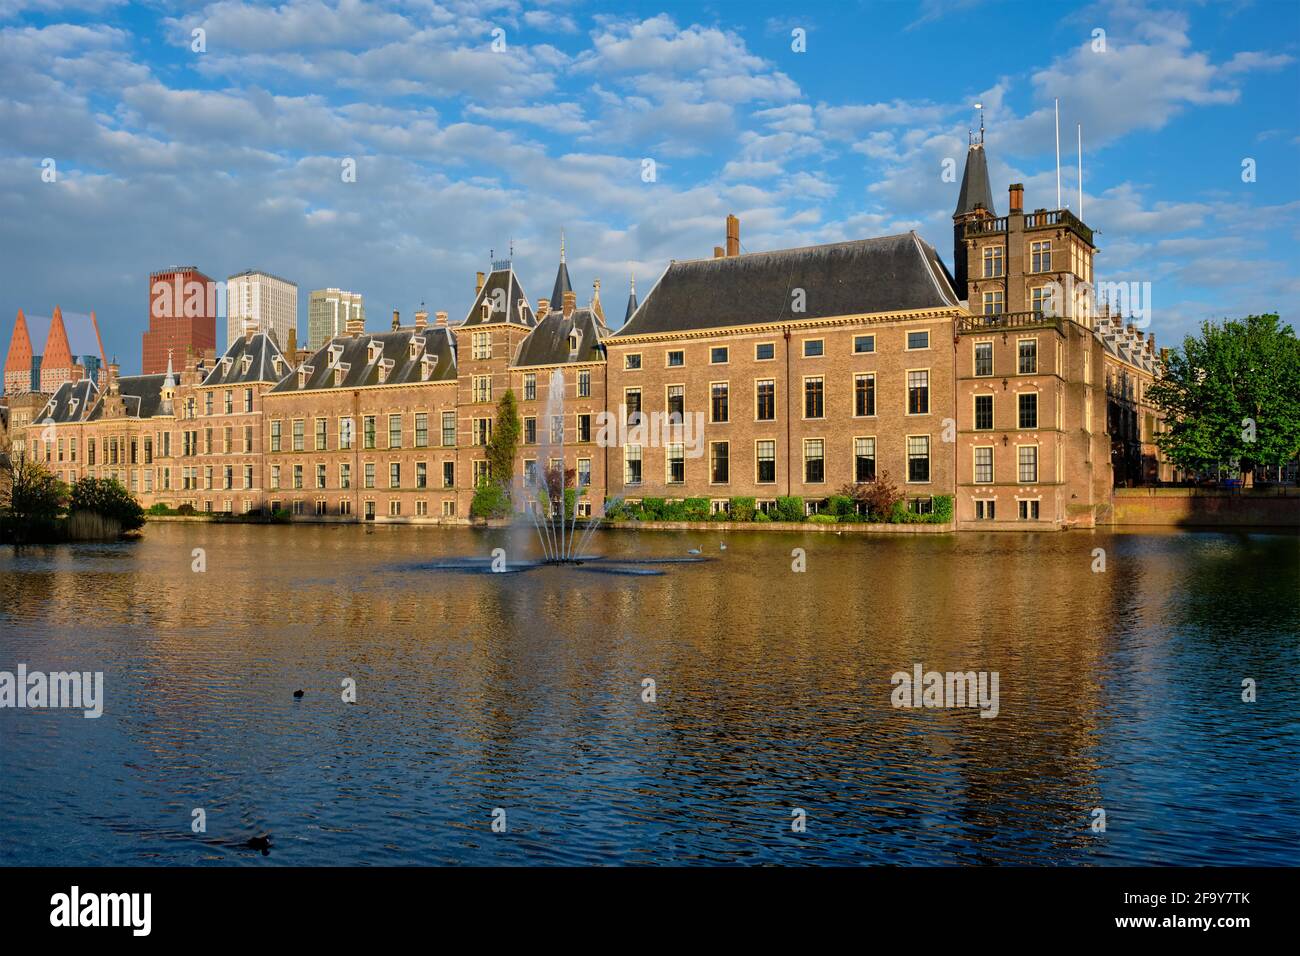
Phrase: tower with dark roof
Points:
(631, 300)
(562, 284)
(975, 201)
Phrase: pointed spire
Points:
(19, 358)
(18, 362)
(57, 357)
(975, 188)
(562, 283)
(170, 380)
(631, 298)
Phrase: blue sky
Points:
(231, 158)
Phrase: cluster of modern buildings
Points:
(799, 372)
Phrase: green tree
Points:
(109, 499)
(504, 442)
(29, 491)
(1231, 395)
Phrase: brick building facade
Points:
(794, 372)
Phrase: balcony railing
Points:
(1009, 320)
(1041, 219)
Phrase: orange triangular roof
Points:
(58, 354)
(19, 358)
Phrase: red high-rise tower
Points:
(182, 317)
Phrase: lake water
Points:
(1118, 690)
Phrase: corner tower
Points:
(974, 202)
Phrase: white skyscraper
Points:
(267, 300)
(328, 311)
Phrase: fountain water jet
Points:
(544, 489)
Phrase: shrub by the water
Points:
(107, 498)
(490, 501)
(696, 509)
(742, 509)
(789, 508)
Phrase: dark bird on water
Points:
(262, 843)
(297, 695)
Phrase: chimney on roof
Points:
(1017, 192)
(441, 318)
(543, 308)
(250, 329)
(478, 285)
(397, 320)
(355, 325)
(570, 302)
(113, 384)
(717, 252)
(733, 236)
(292, 345)
(421, 319)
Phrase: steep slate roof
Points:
(888, 274)
(975, 183)
(1116, 340)
(60, 409)
(506, 281)
(548, 344)
(261, 348)
(142, 395)
(354, 351)
(631, 303)
(562, 285)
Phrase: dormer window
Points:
(427, 364)
(304, 373)
(417, 346)
(374, 350)
(335, 353)
(246, 364)
(227, 363)
(341, 370)
(72, 405)
(521, 307)
(275, 364)
(385, 366)
(575, 341)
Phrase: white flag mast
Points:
(1058, 152)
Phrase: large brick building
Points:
(182, 317)
(792, 372)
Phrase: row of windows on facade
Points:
(918, 402)
(918, 340)
(1040, 259)
(369, 469)
(986, 509)
(814, 462)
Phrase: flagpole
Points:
(1080, 172)
(1058, 152)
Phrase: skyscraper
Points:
(328, 312)
(269, 302)
(182, 317)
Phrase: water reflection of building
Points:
(1005, 387)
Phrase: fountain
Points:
(545, 491)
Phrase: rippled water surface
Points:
(475, 691)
